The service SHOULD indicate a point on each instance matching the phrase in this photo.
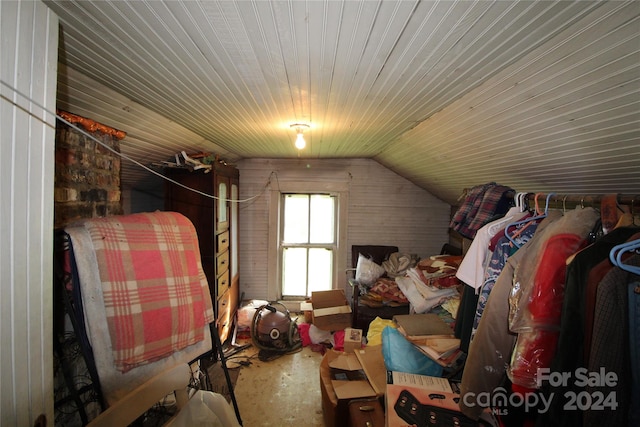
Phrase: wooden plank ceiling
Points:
(538, 95)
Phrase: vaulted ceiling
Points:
(538, 95)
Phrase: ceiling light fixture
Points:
(300, 127)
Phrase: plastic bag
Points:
(367, 271)
(245, 313)
(319, 336)
(206, 409)
(377, 325)
(402, 356)
(533, 350)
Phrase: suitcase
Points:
(366, 413)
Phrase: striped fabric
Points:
(482, 204)
(156, 295)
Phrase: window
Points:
(295, 183)
(308, 243)
(234, 231)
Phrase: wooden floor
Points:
(281, 392)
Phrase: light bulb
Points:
(300, 142)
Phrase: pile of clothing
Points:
(406, 279)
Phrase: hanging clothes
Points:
(503, 249)
(490, 351)
(571, 341)
(610, 346)
(536, 297)
(535, 302)
(472, 268)
(464, 317)
(596, 275)
(633, 290)
(471, 272)
(563, 305)
(482, 204)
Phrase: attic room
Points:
(411, 112)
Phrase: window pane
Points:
(294, 272)
(296, 218)
(322, 216)
(222, 203)
(234, 230)
(320, 269)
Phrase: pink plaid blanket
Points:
(156, 295)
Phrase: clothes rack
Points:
(569, 201)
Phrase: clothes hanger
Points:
(615, 255)
(518, 201)
(527, 221)
(571, 257)
(519, 205)
(515, 213)
(522, 197)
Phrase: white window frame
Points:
(333, 246)
(274, 258)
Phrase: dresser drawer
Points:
(222, 242)
(222, 263)
(223, 318)
(224, 305)
(222, 283)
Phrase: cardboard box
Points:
(366, 413)
(352, 340)
(372, 362)
(331, 310)
(343, 378)
(307, 308)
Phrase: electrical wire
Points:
(124, 156)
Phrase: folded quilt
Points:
(421, 296)
(388, 290)
(439, 271)
(156, 295)
(398, 264)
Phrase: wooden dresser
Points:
(216, 222)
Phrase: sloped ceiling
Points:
(538, 95)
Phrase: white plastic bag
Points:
(318, 336)
(245, 313)
(367, 271)
(206, 409)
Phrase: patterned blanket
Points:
(156, 295)
(439, 271)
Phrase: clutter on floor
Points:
(353, 366)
